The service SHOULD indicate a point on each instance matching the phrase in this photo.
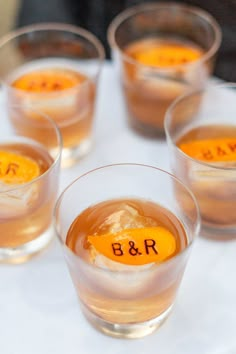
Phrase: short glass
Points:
(202, 147)
(121, 301)
(162, 50)
(30, 156)
(54, 68)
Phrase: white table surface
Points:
(39, 311)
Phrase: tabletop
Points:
(39, 311)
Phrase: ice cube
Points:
(213, 181)
(127, 217)
(16, 200)
(59, 105)
(166, 86)
(105, 263)
(121, 280)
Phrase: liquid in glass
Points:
(128, 238)
(214, 188)
(156, 71)
(26, 201)
(56, 88)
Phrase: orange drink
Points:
(45, 86)
(216, 145)
(203, 153)
(55, 70)
(21, 163)
(29, 171)
(146, 93)
(129, 235)
(126, 246)
(161, 57)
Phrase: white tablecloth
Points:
(39, 312)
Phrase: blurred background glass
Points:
(95, 15)
(9, 11)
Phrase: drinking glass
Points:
(121, 301)
(150, 44)
(55, 68)
(202, 147)
(30, 153)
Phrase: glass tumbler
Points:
(162, 50)
(54, 68)
(30, 153)
(202, 147)
(122, 300)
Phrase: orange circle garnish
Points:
(136, 246)
(48, 80)
(167, 55)
(211, 150)
(17, 169)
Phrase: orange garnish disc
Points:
(48, 80)
(211, 150)
(17, 169)
(136, 246)
(167, 55)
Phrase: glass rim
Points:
(60, 27)
(55, 161)
(168, 117)
(132, 11)
(167, 261)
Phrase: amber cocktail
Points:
(126, 246)
(164, 50)
(54, 68)
(203, 151)
(29, 174)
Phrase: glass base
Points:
(129, 331)
(70, 156)
(218, 233)
(21, 254)
(146, 130)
